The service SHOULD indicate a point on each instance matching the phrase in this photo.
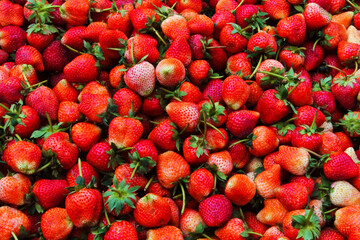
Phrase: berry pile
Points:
(180, 119)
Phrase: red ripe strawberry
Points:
(64, 91)
(12, 37)
(124, 132)
(171, 167)
(222, 160)
(56, 222)
(55, 56)
(272, 213)
(68, 112)
(330, 233)
(11, 221)
(293, 196)
(82, 69)
(264, 141)
(193, 93)
(85, 135)
(93, 106)
(244, 12)
(157, 188)
(305, 116)
(151, 106)
(141, 78)
(302, 94)
(313, 58)
(50, 192)
(99, 157)
(124, 171)
(121, 230)
(240, 154)
(233, 37)
(240, 189)
(23, 157)
(111, 39)
(213, 90)
(239, 63)
(225, 5)
(84, 207)
(75, 12)
(218, 55)
(337, 32)
(140, 16)
(4, 56)
(235, 92)
(325, 100)
(180, 50)
(347, 51)
(198, 72)
(94, 87)
(262, 42)
(221, 18)
(300, 223)
(142, 45)
(292, 57)
(170, 72)
(87, 172)
(196, 46)
(308, 182)
(254, 225)
(13, 189)
(72, 38)
(11, 14)
(39, 40)
(190, 221)
(152, 211)
(322, 3)
(121, 20)
(277, 9)
(44, 101)
(234, 226)
(340, 166)
(267, 65)
(270, 103)
(93, 31)
(190, 152)
(66, 152)
(201, 183)
(315, 16)
(166, 232)
(184, 114)
(330, 143)
(215, 210)
(294, 160)
(177, 22)
(346, 85)
(216, 140)
(30, 55)
(201, 24)
(293, 28)
(163, 135)
(127, 100)
(195, 5)
(24, 69)
(333, 60)
(11, 89)
(347, 220)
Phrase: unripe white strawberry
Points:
(344, 194)
(141, 78)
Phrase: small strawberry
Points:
(264, 141)
(180, 50)
(222, 161)
(184, 114)
(294, 160)
(30, 55)
(313, 55)
(343, 194)
(55, 62)
(272, 213)
(215, 210)
(234, 227)
(201, 183)
(12, 37)
(121, 230)
(44, 101)
(85, 135)
(267, 181)
(68, 112)
(190, 222)
(175, 22)
(86, 170)
(347, 220)
(82, 69)
(165, 233)
(11, 222)
(293, 196)
(170, 72)
(340, 166)
(277, 9)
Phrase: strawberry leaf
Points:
(308, 225)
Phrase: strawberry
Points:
(56, 222)
(347, 220)
(346, 83)
(10, 89)
(198, 72)
(121, 230)
(11, 14)
(299, 224)
(216, 140)
(13, 189)
(72, 38)
(170, 72)
(264, 141)
(262, 42)
(313, 56)
(337, 32)
(277, 9)
(294, 160)
(11, 222)
(29, 55)
(127, 101)
(235, 92)
(193, 94)
(190, 220)
(340, 166)
(84, 207)
(217, 54)
(292, 57)
(124, 132)
(267, 181)
(65, 91)
(140, 16)
(234, 227)
(111, 39)
(240, 154)
(44, 101)
(213, 90)
(343, 194)
(75, 12)
(201, 183)
(307, 137)
(82, 69)
(269, 65)
(175, 212)
(124, 171)
(178, 22)
(152, 211)
(222, 160)
(12, 37)
(330, 143)
(52, 61)
(50, 192)
(201, 24)
(184, 114)
(68, 112)
(85, 135)
(26, 70)
(180, 50)
(87, 172)
(215, 210)
(239, 63)
(315, 16)
(100, 156)
(121, 20)
(293, 28)
(240, 189)
(293, 196)
(330, 233)
(247, 14)
(142, 45)
(92, 32)
(234, 38)
(272, 213)
(221, 18)
(347, 51)
(164, 135)
(66, 153)
(141, 78)
(165, 233)
(23, 157)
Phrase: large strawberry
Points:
(124, 132)
(141, 78)
(75, 12)
(56, 222)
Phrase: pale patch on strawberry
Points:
(141, 78)
(344, 194)
(351, 152)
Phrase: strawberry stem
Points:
(18, 137)
(5, 107)
(106, 215)
(257, 66)
(44, 167)
(206, 236)
(73, 49)
(14, 236)
(234, 10)
(80, 170)
(50, 123)
(237, 142)
(338, 69)
(353, 5)
(183, 198)
(135, 169)
(312, 152)
(215, 128)
(149, 182)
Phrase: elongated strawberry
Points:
(12, 38)
(235, 92)
(315, 16)
(293, 159)
(267, 181)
